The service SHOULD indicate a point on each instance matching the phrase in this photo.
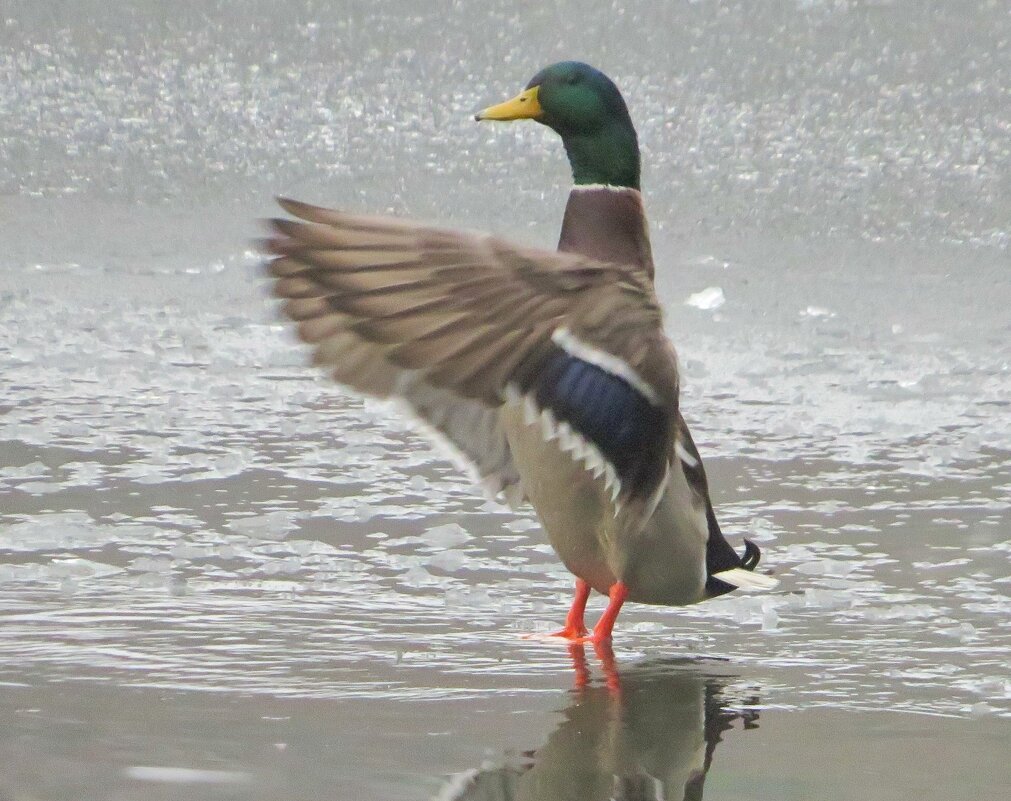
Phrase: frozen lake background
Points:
(222, 578)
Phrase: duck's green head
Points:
(585, 108)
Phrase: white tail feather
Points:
(594, 461)
(611, 481)
(746, 579)
(572, 442)
(548, 430)
(566, 438)
(530, 413)
(684, 456)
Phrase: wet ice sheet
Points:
(220, 576)
(186, 505)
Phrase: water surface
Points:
(221, 577)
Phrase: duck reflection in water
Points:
(648, 733)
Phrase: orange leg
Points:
(574, 627)
(602, 631)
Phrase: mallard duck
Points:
(548, 373)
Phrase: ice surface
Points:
(177, 484)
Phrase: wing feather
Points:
(451, 323)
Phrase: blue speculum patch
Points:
(605, 409)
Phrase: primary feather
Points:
(451, 323)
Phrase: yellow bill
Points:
(522, 107)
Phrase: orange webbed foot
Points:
(571, 633)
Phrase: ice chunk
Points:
(708, 260)
(301, 547)
(827, 599)
(648, 627)
(288, 565)
(417, 576)
(825, 567)
(174, 775)
(475, 598)
(521, 525)
(271, 526)
(39, 487)
(81, 568)
(23, 572)
(150, 564)
(817, 311)
(708, 299)
(228, 465)
(899, 612)
(761, 530)
(364, 512)
(449, 561)
(185, 552)
(770, 617)
(965, 632)
(446, 536)
(31, 470)
(52, 531)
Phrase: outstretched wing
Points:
(454, 324)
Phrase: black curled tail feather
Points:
(721, 556)
(752, 555)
